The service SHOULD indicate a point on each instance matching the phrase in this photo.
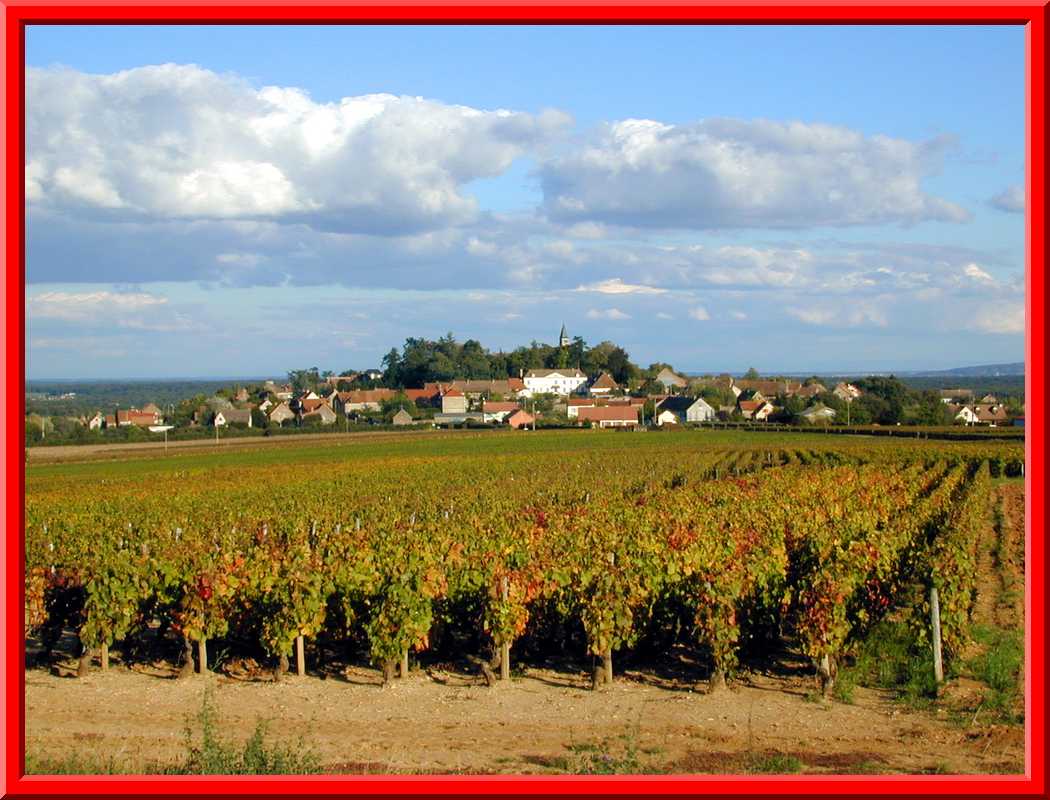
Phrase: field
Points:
(569, 601)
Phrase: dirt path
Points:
(447, 722)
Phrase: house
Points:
(281, 412)
(520, 419)
(453, 402)
(307, 405)
(497, 412)
(151, 408)
(266, 405)
(756, 410)
(953, 395)
(963, 414)
(610, 416)
(818, 414)
(603, 386)
(422, 397)
(477, 389)
(810, 390)
(847, 392)
(95, 423)
(361, 400)
(670, 380)
(990, 399)
(623, 401)
(768, 388)
(988, 414)
(680, 409)
(132, 416)
(322, 414)
(241, 396)
(553, 381)
(456, 419)
(402, 417)
(144, 419)
(574, 404)
(233, 416)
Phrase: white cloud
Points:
(178, 141)
(738, 315)
(727, 173)
(1001, 318)
(977, 274)
(812, 316)
(699, 313)
(617, 286)
(88, 306)
(1011, 200)
(662, 315)
(850, 314)
(611, 313)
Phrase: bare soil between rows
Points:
(438, 721)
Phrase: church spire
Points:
(563, 338)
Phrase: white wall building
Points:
(553, 381)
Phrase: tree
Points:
(619, 366)
(751, 374)
(392, 368)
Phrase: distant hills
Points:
(984, 370)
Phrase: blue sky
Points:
(251, 199)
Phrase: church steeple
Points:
(563, 338)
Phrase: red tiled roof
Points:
(491, 407)
(419, 394)
(628, 413)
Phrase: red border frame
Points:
(17, 13)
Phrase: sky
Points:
(247, 200)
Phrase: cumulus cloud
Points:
(699, 313)
(975, 273)
(611, 313)
(179, 141)
(728, 173)
(1010, 200)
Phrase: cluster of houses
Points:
(599, 402)
(986, 411)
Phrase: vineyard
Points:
(593, 543)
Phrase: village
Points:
(561, 397)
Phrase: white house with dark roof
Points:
(679, 409)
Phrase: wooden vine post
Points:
(202, 655)
(103, 656)
(935, 624)
(504, 648)
(300, 656)
(84, 665)
(404, 662)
